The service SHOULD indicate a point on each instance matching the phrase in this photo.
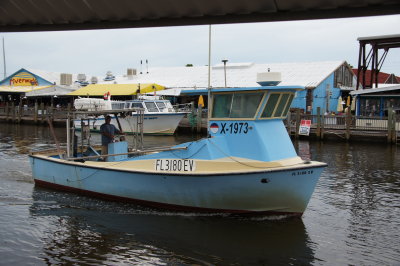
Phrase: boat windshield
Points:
(137, 105)
(161, 106)
(151, 106)
(278, 105)
(117, 105)
(236, 105)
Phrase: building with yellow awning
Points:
(15, 86)
(116, 89)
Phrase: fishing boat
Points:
(247, 164)
(160, 117)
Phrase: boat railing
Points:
(72, 141)
(131, 153)
(185, 107)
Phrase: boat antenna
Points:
(147, 66)
(4, 60)
(209, 80)
(140, 66)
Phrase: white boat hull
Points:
(154, 124)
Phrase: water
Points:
(353, 217)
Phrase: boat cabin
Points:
(251, 104)
(150, 106)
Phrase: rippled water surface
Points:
(353, 217)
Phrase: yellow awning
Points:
(115, 89)
(22, 88)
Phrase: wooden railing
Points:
(346, 125)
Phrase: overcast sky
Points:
(95, 52)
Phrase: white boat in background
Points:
(160, 117)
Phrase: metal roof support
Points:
(377, 43)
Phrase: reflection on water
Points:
(353, 216)
(93, 231)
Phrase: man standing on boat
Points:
(108, 131)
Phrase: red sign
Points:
(305, 126)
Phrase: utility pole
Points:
(224, 61)
(4, 60)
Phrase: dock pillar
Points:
(318, 133)
(7, 111)
(35, 112)
(391, 126)
(199, 118)
(296, 133)
(13, 112)
(348, 124)
(20, 110)
(42, 112)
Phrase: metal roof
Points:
(45, 15)
(376, 90)
(306, 74)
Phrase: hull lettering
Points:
(175, 165)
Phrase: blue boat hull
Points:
(270, 191)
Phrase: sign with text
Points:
(305, 126)
(23, 79)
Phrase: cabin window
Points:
(128, 105)
(151, 106)
(271, 103)
(222, 105)
(278, 105)
(137, 105)
(237, 105)
(161, 106)
(289, 102)
(281, 105)
(117, 106)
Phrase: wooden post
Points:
(391, 126)
(42, 112)
(20, 110)
(35, 114)
(296, 134)
(192, 117)
(13, 111)
(348, 123)
(49, 113)
(318, 122)
(7, 111)
(288, 120)
(199, 118)
(394, 133)
(322, 125)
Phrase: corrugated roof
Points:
(50, 91)
(375, 90)
(40, 15)
(306, 74)
(115, 89)
(382, 77)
